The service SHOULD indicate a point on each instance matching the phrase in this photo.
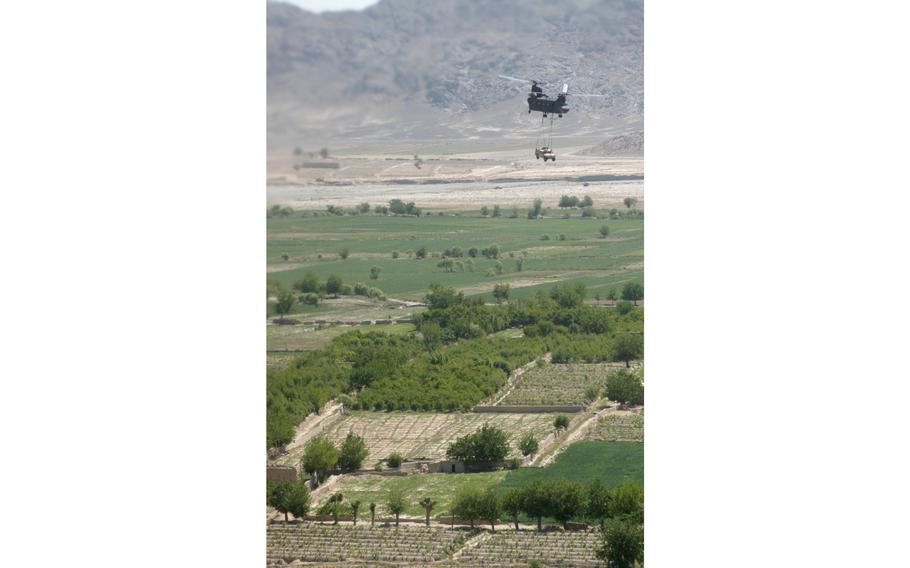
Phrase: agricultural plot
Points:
(441, 487)
(421, 435)
(611, 462)
(619, 427)
(559, 384)
(309, 542)
(550, 548)
(551, 249)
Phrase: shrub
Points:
(394, 460)
(344, 253)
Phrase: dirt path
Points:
(550, 453)
(315, 424)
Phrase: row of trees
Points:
(571, 201)
(558, 499)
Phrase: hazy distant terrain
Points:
(411, 69)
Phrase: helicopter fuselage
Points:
(542, 103)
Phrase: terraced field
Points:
(619, 427)
(559, 384)
(423, 435)
(309, 542)
(518, 548)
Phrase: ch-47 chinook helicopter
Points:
(540, 102)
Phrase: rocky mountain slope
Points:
(406, 69)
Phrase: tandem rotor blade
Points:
(515, 79)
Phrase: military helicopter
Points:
(540, 102)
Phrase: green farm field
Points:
(611, 462)
(582, 256)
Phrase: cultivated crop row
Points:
(518, 548)
(620, 428)
(560, 384)
(310, 542)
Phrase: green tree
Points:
(319, 457)
(324, 153)
(298, 151)
(520, 265)
(277, 492)
(344, 253)
(535, 502)
(528, 444)
(285, 303)
(604, 231)
(372, 514)
(625, 387)
(484, 211)
(566, 500)
(446, 264)
(561, 422)
(355, 507)
(333, 285)
(623, 544)
(353, 452)
(309, 284)
(396, 503)
(501, 292)
(569, 294)
(364, 207)
(586, 201)
(496, 211)
(374, 272)
(441, 297)
(433, 335)
(467, 503)
(627, 502)
(335, 505)
(488, 444)
(630, 202)
(611, 295)
(421, 252)
(536, 209)
(428, 505)
(489, 507)
(633, 291)
(598, 502)
(298, 500)
(627, 347)
(511, 503)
